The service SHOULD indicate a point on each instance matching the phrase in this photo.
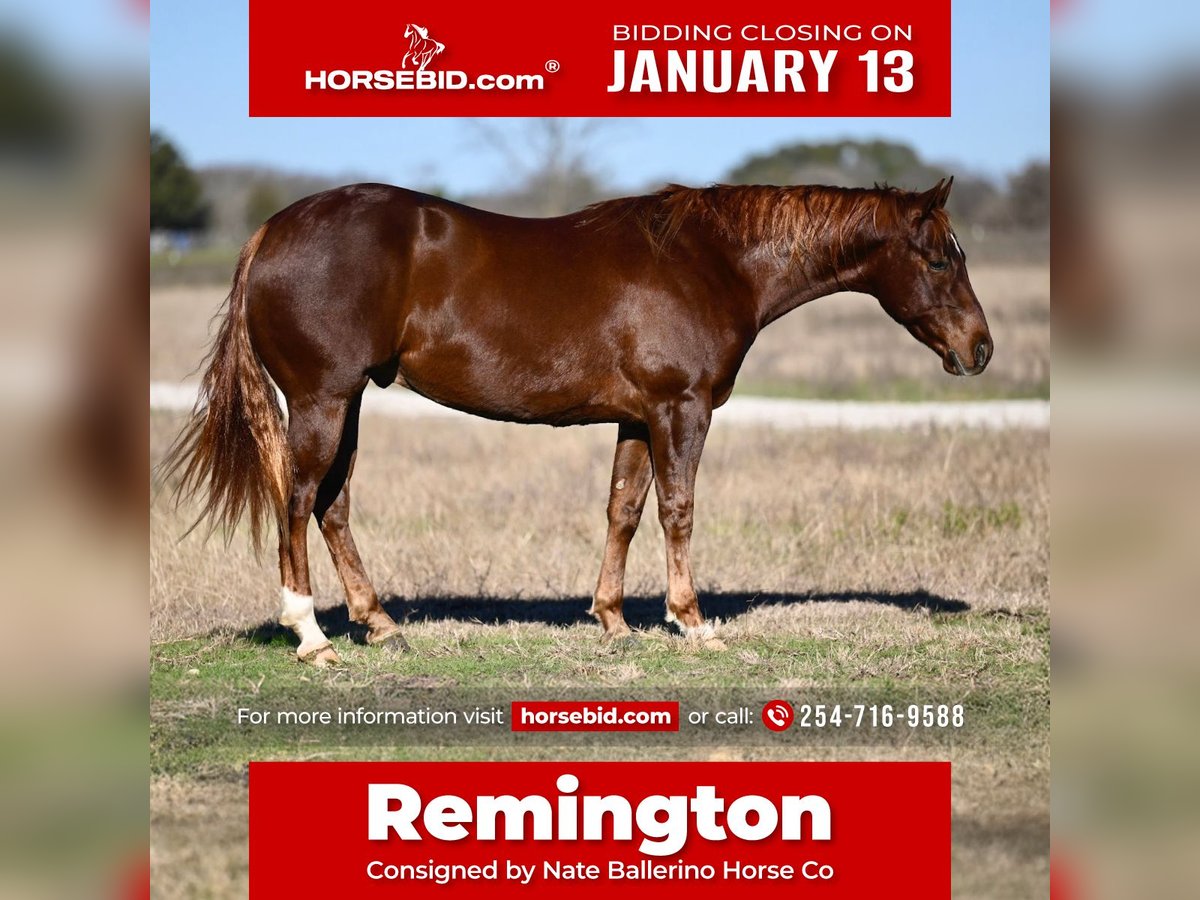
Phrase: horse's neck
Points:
(782, 283)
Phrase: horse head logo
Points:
(421, 47)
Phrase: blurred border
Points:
(74, 448)
(1126, 193)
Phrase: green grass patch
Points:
(953, 520)
(996, 665)
(958, 520)
(201, 266)
(200, 256)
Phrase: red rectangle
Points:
(542, 59)
(574, 715)
(833, 830)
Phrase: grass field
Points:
(844, 566)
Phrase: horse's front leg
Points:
(631, 477)
(677, 433)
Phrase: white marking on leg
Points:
(297, 613)
(701, 632)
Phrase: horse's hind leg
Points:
(631, 477)
(314, 433)
(332, 510)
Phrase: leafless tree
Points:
(551, 162)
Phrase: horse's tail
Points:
(233, 451)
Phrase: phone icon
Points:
(778, 715)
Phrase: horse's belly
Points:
(553, 394)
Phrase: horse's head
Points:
(921, 281)
(416, 30)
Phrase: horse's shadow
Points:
(640, 611)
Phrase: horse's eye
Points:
(939, 265)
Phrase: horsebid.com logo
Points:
(421, 47)
(414, 74)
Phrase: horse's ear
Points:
(945, 195)
(934, 198)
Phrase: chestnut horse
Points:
(637, 311)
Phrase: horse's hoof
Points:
(704, 634)
(320, 657)
(617, 632)
(389, 634)
(618, 639)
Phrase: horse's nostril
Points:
(982, 351)
(956, 362)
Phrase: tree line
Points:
(555, 173)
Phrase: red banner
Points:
(835, 830)
(621, 58)
(575, 715)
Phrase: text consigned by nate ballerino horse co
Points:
(663, 825)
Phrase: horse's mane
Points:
(799, 220)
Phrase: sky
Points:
(1115, 43)
(198, 59)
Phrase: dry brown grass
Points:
(843, 345)
(507, 511)
(198, 838)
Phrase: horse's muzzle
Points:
(982, 356)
